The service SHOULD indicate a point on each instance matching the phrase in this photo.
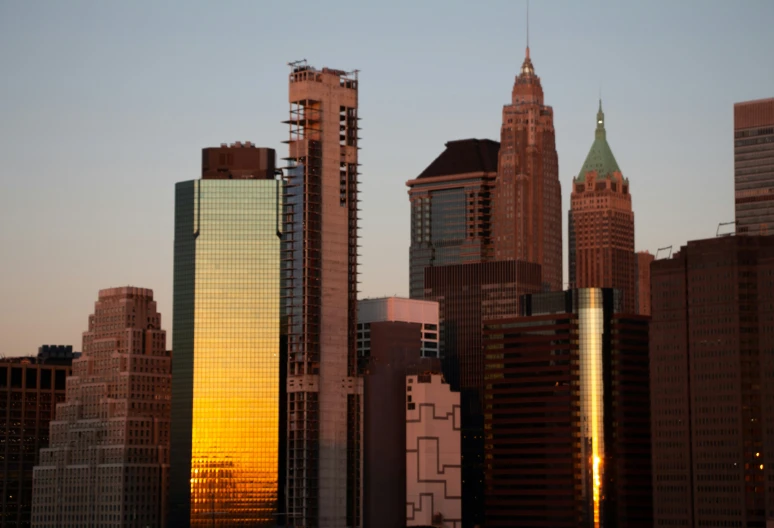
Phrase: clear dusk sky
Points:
(105, 105)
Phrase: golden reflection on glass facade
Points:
(591, 328)
(226, 397)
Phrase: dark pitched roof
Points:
(463, 156)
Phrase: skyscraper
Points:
(528, 196)
(753, 168)
(467, 294)
(451, 209)
(566, 413)
(226, 384)
(30, 389)
(108, 460)
(601, 223)
(396, 337)
(712, 383)
(320, 290)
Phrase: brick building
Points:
(601, 224)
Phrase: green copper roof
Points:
(600, 156)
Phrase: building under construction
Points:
(324, 389)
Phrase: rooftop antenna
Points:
(664, 249)
(717, 232)
(527, 28)
(293, 64)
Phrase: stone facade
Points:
(108, 460)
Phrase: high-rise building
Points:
(567, 414)
(528, 196)
(433, 455)
(601, 223)
(396, 337)
(644, 259)
(451, 209)
(324, 389)
(468, 294)
(108, 459)
(753, 168)
(712, 383)
(226, 383)
(30, 388)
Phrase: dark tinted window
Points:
(60, 380)
(32, 378)
(16, 378)
(45, 379)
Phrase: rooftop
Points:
(600, 157)
(464, 156)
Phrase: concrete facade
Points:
(324, 389)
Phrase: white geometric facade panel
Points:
(433, 455)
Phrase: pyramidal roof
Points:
(600, 157)
(464, 156)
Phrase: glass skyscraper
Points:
(226, 383)
(451, 209)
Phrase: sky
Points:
(105, 105)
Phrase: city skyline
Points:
(91, 130)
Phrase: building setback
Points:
(108, 459)
(451, 209)
(396, 337)
(601, 224)
(433, 456)
(226, 384)
(468, 294)
(566, 414)
(712, 383)
(30, 388)
(324, 388)
(528, 196)
(644, 259)
(754, 167)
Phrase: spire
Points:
(600, 133)
(526, 67)
(600, 157)
(528, 29)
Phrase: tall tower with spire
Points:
(528, 195)
(601, 223)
